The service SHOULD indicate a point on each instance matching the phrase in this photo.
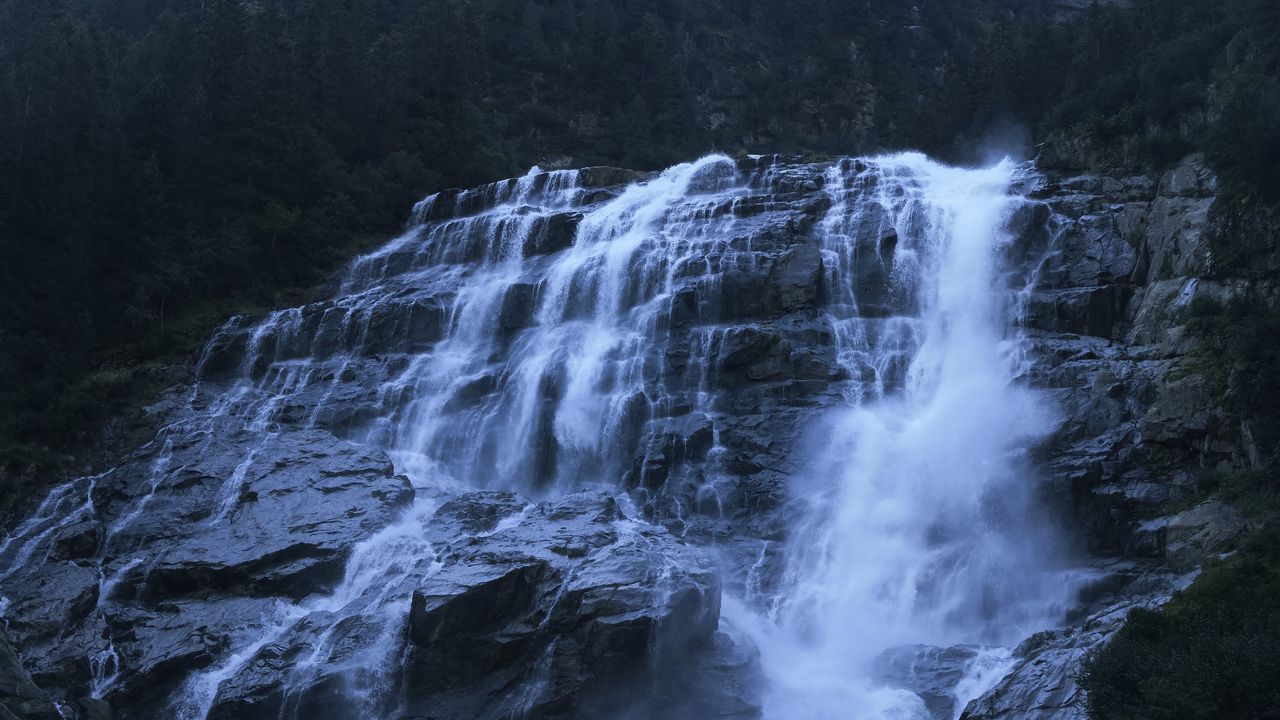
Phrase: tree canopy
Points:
(165, 162)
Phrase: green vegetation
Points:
(1238, 348)
(164, 163)
(1212, 652)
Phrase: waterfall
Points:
(917, 524)
(813, 367)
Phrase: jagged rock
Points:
(1044, 681)
(160, 647)
(753, 353)
(554, 614)
(932, 673)
(554, 234)
(94, 709)
(1091, 251)
(603, 176)
(48, 598)
(798, 278)
(276, 514)
(1184, 410)
(1189, 538)
(78, 541)
(20, 698)
(1084, 310)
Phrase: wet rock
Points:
(20, 697)
(161, 647)
(798, 278)
(1043, 683)
(559, 613)
(78, 541)
(1185, 409)
(1091, 251)
(554, 234)
(48, 599)
(95, 709)
(475, 513)
(602, 176)
(753, 353)
(410, 323)
(1191, 178)
(1189, 538)
(1085, 311)
(275, 515)
(672, 444)
(518, 305)
(932, 673)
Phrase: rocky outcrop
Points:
(20, 698)
(1143, 425)
(1111, 308)
(499, 604)
(173, 555)
(564, 609)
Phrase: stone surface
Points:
(240, 523)
(19, 696)
(1142, 424)
(1187, 539)
(277, 519)
(1043, 683)
(559, 611)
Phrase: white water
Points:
(914, 499)
(918, 525)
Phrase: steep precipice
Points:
(524, 449)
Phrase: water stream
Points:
(542, 335)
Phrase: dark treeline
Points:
(165, 162)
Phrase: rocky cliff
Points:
(1145, 426)
(406, 500)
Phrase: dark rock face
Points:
(20, 698)
(563, 610)
(1113, 302)
(175, 554)
(1142, 426)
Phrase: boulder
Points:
(1187, 539)
(275, 515)
(555, 233)
(934, 674)
(561, 611)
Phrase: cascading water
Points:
(919, 525)
(678, 338)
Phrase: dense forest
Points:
(164, 163)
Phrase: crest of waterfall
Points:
(570, 329)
